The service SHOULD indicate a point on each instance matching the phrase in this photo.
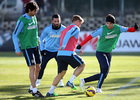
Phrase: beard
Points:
(55, 27)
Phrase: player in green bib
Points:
(26, 32)
(109, 34)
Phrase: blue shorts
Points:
(73, 60)
(32, 56)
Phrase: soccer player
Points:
(51, 36)
(66, 54)
(109, 35)
(27, 32)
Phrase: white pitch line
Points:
(121, 88)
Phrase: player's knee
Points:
(63, 72)
(38, 68)
(83, 65)
(104, 75)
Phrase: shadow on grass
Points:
(20, 92)
(121, 81)
(25, 98)
(14, 89)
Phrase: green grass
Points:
(122, 83)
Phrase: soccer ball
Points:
(90, 91)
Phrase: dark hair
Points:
(77, 17)
(56, 16)
(110, 18)
(32, 6)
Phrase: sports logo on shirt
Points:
(111, 36)
(31, 23)
(32, 27)
(54, 35)
(32, 61)
(110, 32)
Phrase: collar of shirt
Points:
(27, 16)
(72, 24)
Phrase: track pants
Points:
(45, 59)
(104, 60)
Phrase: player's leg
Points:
(45, 58)
(61, 84)
(63, 68)
(32, 77)
(88, 79)
(104, 61)
(37, 61)
(55, 83)
(29, 56)
(75, 61)
(37, 70)
(58, 78)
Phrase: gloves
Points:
(78, 47)
(136, 26)
(43, 53)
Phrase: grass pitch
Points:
(122, 83)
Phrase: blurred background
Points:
(127, 12)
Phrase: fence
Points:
(90, 24)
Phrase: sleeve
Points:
(17, 31)
(123, 29)
(42, 37)
(93, 34)
(73, 31)
(97, 32)
(126, 29)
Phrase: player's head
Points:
(56, 21)
(31, 8)
(110, 20)
(77, 20)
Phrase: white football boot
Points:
(98, 90)
(38, 82)
(61, 84)
(82, 83)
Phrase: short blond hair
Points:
(77, 17)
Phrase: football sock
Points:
(31, 88)
(72, 78)
(34, 90)
(52, 89)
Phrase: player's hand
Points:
(78, 47)
(60, 48)
(136, 26)
(81, 52)
(18, 53)
(39, 42)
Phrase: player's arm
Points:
(42, 38)
(74, 30)
(18, 29)
(131, 29)
(92, 35)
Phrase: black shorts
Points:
(73, 61)
(32, 56)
